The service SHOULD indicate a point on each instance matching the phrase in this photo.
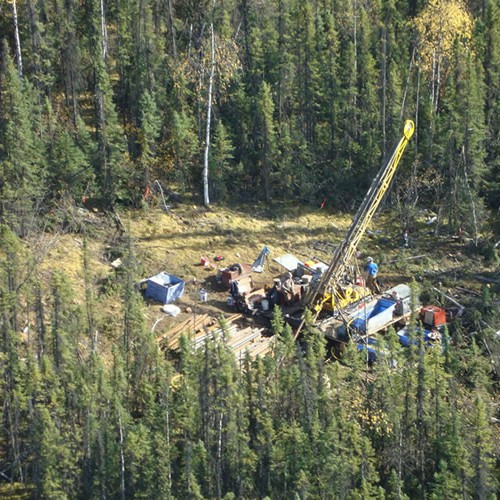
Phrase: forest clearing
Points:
(152, 151)
(178, 240)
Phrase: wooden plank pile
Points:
(203, 327)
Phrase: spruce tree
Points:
(483, 482)
(492, 77)
(13, 396)
(265, 140)
(110, 161)
(223, 174)
(150, 124)
(21, 160)
(68, 167)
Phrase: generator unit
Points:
(433, 317)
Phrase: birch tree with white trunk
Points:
(19, 59)
(206, 198)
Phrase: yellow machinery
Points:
(335, 289)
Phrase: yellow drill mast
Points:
(332, 290)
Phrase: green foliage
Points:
(285, 425)
(485, 249)
(21, 151)
(224, 175)
(308, 99)
(149, 133)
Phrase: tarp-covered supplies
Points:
(164, 287)
(258, 265)
(288, 261)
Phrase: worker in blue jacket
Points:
(371, 269)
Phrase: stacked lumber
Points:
(191, 326)
(259, 346)
(201, 328)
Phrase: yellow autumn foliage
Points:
(442, 24)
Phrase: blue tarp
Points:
(429, 337)
(372, 351)
(164, 287)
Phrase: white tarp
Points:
(171, 309)
(288, 261)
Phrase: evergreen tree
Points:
(67, 167)
(367, 134)
(483, 483)
(13, 397)
(21, 154)
(68, 44)
(43, 37)
(328, 93)
(492, 76)
(265, 140)
(149, 134)
(181, 150)
(110, 160)
(223, 174)
(262, 432)
(185, 425)
(50, 455)
(306, 76)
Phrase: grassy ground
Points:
(176, 241)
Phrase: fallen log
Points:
(414, 257)
(485, 279)
(466, 290)
(452, 300)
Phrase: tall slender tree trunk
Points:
(14, 433)
(469, 192)
(89, 302)
(218, 468)
(122, 458)
(408, 78)
(384, 91)
(171, 27)
(102, 142)
(206, 199)
(40, 325)
(420, 419)
(104, 32)
(19, 59)
(281, 34)
(355, 55)
(167, 422)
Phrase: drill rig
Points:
(337, 288)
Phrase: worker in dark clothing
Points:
(371, 269)
(273, 295)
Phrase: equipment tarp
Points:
(288, 261)
(164, 287)
(258, 265)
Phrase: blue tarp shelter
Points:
(164, 287)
